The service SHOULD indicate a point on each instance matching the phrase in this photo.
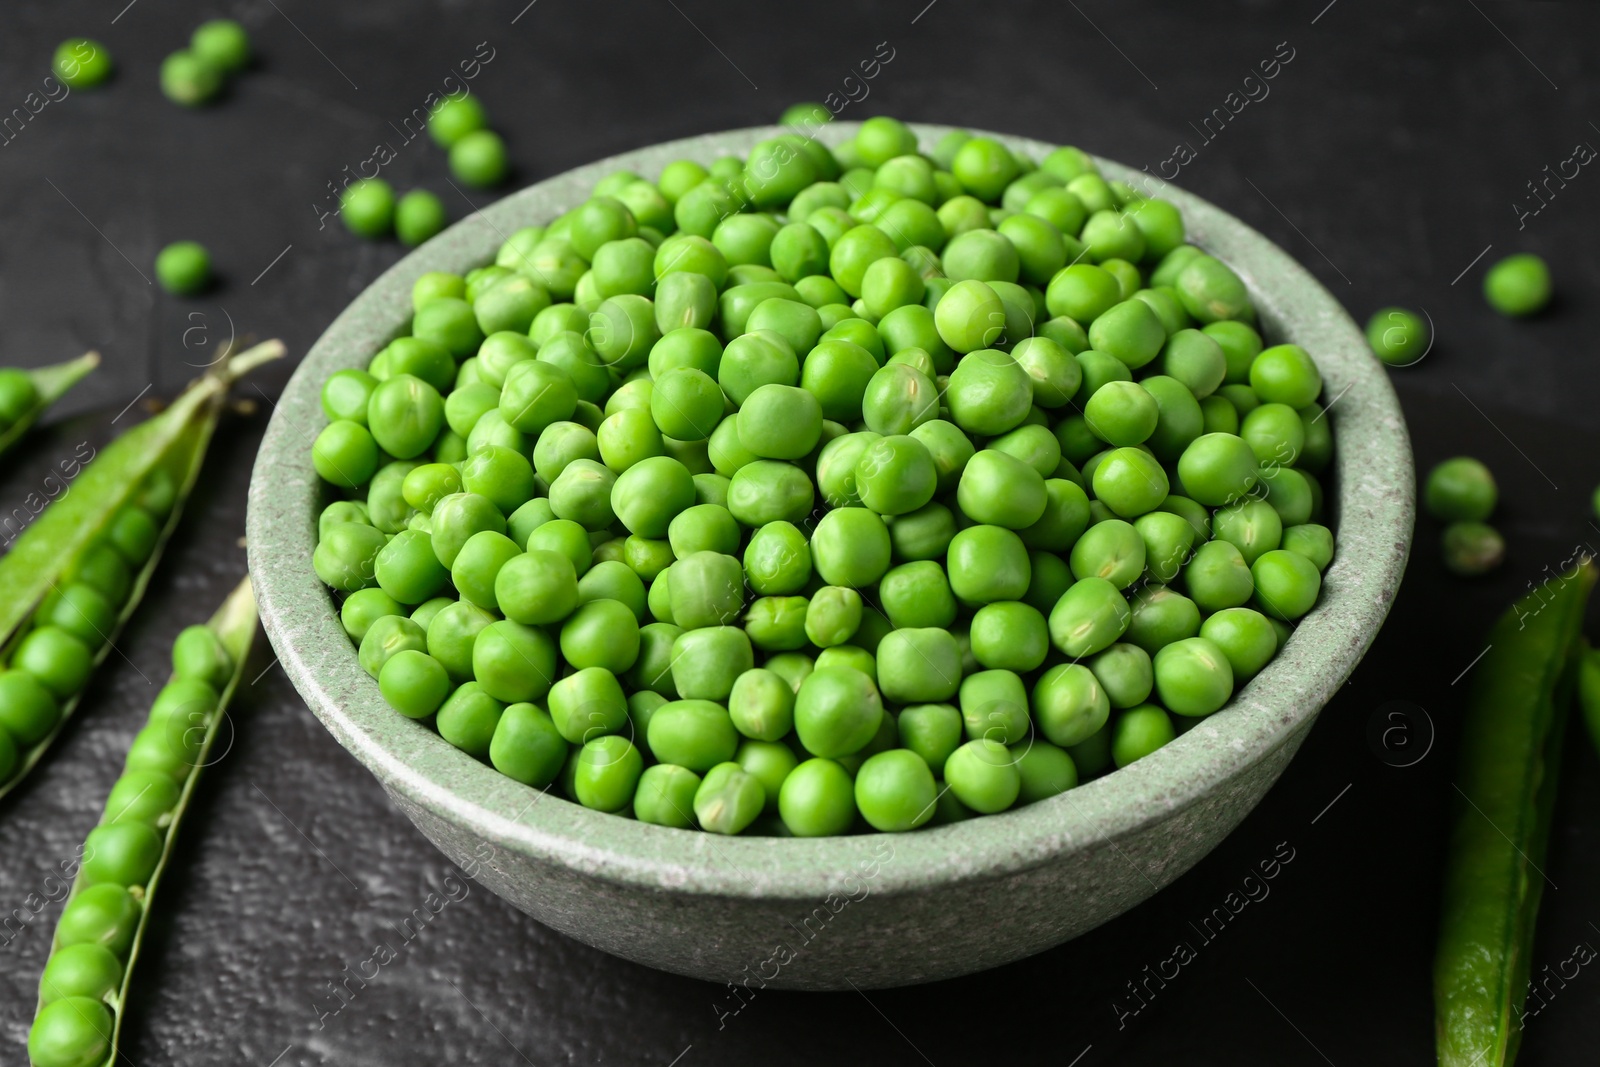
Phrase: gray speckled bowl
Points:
(874, 910)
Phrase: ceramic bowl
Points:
(872, 910)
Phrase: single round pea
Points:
(1218, 576)
(989, 393)
(1000, 490)
(454, 117)
(1111, 550)
(1253, 526)
(1168, 541)
(1217, 469)
(81, 610)
(1124, 672)
(1472, 548)
(970, 316)
(919, 665)
(414, 683)
(1287, 583)
(468, 719)
(1245, 637)
(652, 671)
(601, 633)
(832, 616)
(729, 799)
(988, 563)
(817, 799)
(450, 638)
(994, 706)
(855, 251)
(1193, 677)
(924, 534)
(708, 660)
(1460, 489)
(665, 796)
(28, 711)
(122, 853)
(387, 636)
(607, 773)
(86, 970)
(1285, 374)
(345, 454)
(898, 399)
(761, 705)
(183, 268)
(1089, 617)
(983, 776)
(1139, 732)
(1130, 482)
(58, 660)
(895, 791)
(770, 763)
(527, 746)
(1211, 291)
(1313, 541)
(1518, 285)
(895, 475)
(850, 547)
(479, 159)
(696, 734)
(70, 1032)
(1398, 336)
(104, 914)
(837, 711)
(81, 63)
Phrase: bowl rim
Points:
(1374, 493)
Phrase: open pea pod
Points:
(1510, 755)
(84, 988)
(73, 578)
(34, 391)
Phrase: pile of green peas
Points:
(50, 665)
(827, 489)
(121, 855)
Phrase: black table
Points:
(1391, 152)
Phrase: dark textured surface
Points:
(1389, 152)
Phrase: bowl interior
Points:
(1372, 496)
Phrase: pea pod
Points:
(85, 984)
(1510, 756)
(75, 575)
(34, 391)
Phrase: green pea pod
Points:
(96, 944)
(73, 577)
(49, 385)
(1510, 756)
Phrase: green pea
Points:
(729, 799)
(82, 611)
(696, 734)
(994, 705)
(1518, 285)
(707, 661)
(770, 763)
(414, 683)
(988, 563)
(837, 711)
(778, 559)
(1045, 770)
(1285, 374)
(1472, 548)
(1287, 583)
(983, 776)
(28, 710)
(1210, 291)
(817, 799)
(1217, 469)
(924, 534)
(850, 547)
(1069, 704)
(755, 359)
(1460, 489)
(72, 1031)
(895, 791)
(769, 491)
(1193, 677)
(601, 633)
(85, 970)
(1009, 635)
(1160, 616)
(582, 493)
(1000, 490)
(385, 637)
(970, 316)
(449, 639)
(1245, 637)
(468, 719)
(58, 660)
(1252, 526)
(1310, 540)
(665, 796)
(837, 373)
(919, 665)
(989, 393)
(1139, 732)
(104, 914)
(761, 705)
(121, 853)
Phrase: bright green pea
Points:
(527, 746)
(58, 660)
(1009, 635)
(70, 1032)
(601, 633)
(850, 547)
(1210, 291)
(986, 564)
(1252, 526)
(1130, 482)
(582, 493)
(895, 791)
(588, 704)
(1139, 732)
(777, 560)
(1000, 490)
(983, 776)
(989, 393)
(450, 637)
(753, 360)
(1286, 583)
(1518, 285)
(28, 711)
(706, 661)
(85, 970)
(729, 799)
(970, 316)
(1217, 469)
(1193, 677)
(122, 853)
(1160, 616)
(817, 799)
(833, 614)
(1245, 637)
(1310, 540)
(761, 705)
(696, 734)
